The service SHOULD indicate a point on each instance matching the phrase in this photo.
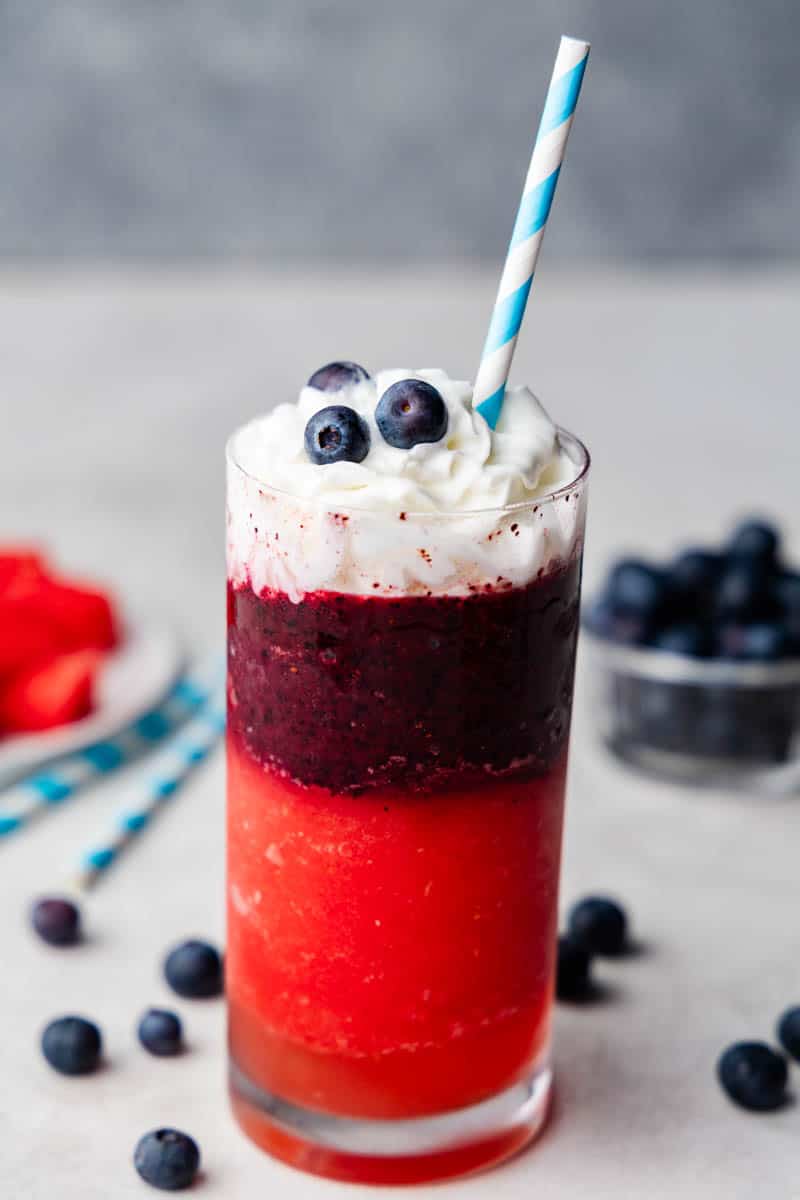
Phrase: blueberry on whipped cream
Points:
(336, 434)
(411, 412)
(337, 375)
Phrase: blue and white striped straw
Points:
(62, 779)
(526, 240)
(173, 765)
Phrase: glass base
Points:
(416, 1150)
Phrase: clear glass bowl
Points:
(698, 721)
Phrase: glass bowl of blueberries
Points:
(698, 663)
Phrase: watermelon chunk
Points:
(50, 694)
(24, 639)
(79, 617)
(51, 632)
(21, 571)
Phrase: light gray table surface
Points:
(117, 393)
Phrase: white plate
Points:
(133, 679)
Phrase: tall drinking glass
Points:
(397, 751)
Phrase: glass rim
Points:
(565, 438)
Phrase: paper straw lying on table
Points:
(526, 239)
(185, 751)
(64, 777)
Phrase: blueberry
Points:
(167, 1159)
(598, 616)
(72, 1045)
(753, 1075)
(786, 593)
(599, 925)
(572, 970)
(786, 588)
(337, 375)
(755, 540)
(160, 1031)
(742, 591)
(410, 412)
(636, 587)
(629, 629)
(57, 921)
(686, 638)
(194, 970)
(761, 641)
(336, 434)
(767, 641)
(789, 1032)
(693, 574)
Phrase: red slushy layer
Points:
(387, 956)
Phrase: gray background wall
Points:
(286, 129)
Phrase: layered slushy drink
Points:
(403, 588)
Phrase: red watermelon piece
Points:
(78, 616)
(21, 571)
(51, 632)
(50, 694)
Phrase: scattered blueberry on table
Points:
(57, 921)
(410, 412)
(161, 1032)
(167, 1159)
(754, 1076)
(194, 970)
(336, 434)
(597, 926)
(337, 375)
(789, 1032)
(600, 925)
(72, 1045)
(573, 970)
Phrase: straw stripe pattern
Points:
(529, 227)
(174, 765)
(62, 779)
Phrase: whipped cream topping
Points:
(471, 467)
(418, 520)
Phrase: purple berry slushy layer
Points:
(353, 692)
